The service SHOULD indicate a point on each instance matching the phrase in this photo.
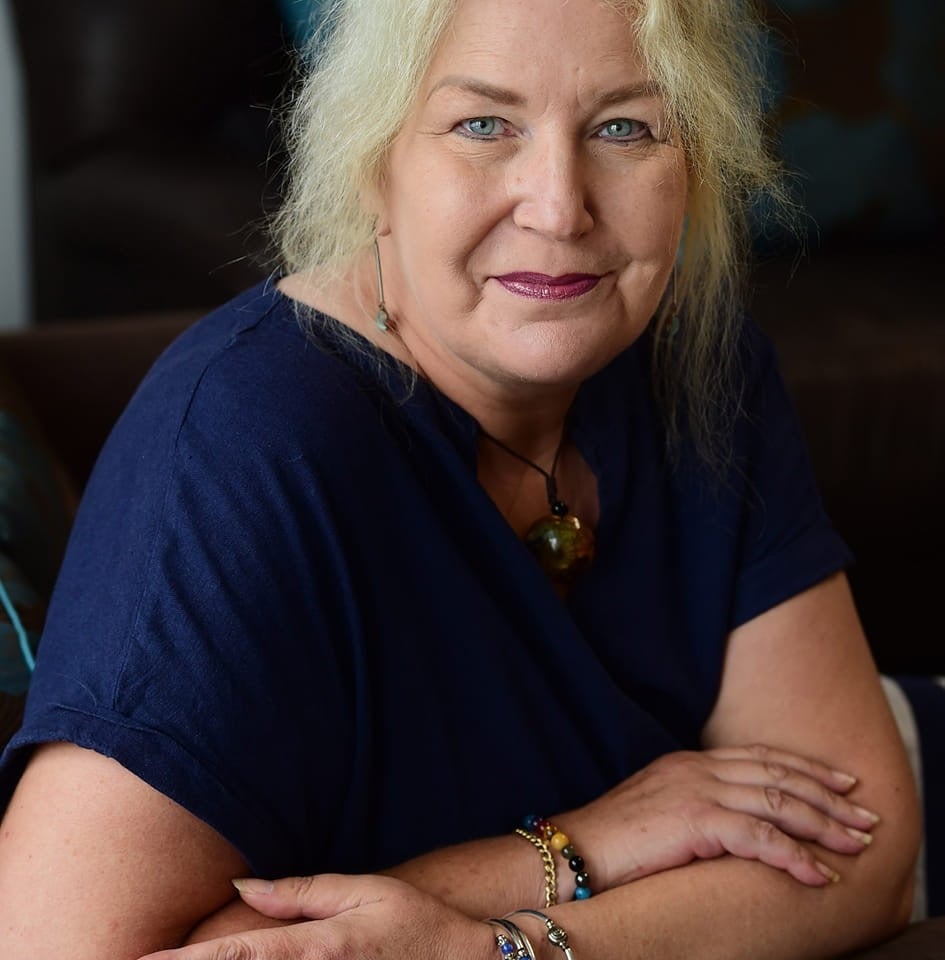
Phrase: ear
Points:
(381, 225)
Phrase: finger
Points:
(795, 817)
(753, 839)
(286, 943)
(312, 898)
(775, 774)
(836, 780)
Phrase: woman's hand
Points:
(356, 917)
(753, 802)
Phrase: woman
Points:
(320, 644)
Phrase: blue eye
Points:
(624, 130)
(482, 127)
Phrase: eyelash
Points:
(463, 129)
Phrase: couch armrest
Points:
(77, 378)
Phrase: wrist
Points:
(574, 877)
(545, 938)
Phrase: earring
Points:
(382, 317)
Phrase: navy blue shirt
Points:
(289, 605)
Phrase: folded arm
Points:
(798, 678)
(123, 870)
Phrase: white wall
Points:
(14, 248)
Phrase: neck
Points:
(532, 431)
(529, 417)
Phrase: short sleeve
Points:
(787, 543)
(191, 631)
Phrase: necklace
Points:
(563, 546)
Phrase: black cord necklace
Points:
(560, 542)
(563, 546)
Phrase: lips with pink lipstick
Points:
(539, 286)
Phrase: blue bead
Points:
(531, 821)
(508, 948)
(582, 893)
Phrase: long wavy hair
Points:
(366, 63)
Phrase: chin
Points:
(560, 368)
(565, 359)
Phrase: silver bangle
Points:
(511, 935)
(556, 933)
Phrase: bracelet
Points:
(556, 933)
(511, 940)
(548, 861)
(545, 830)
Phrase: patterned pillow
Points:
(36, 507)
(21, 620)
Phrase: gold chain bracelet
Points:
(548, 861)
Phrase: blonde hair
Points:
(368, 61)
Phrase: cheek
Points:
(650, 220)
(452, 229)
(650, 227)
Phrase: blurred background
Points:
(139, 150)
(145, 132)
(139, 155)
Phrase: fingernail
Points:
(868, 814)
(830, 874)
(249, 885)
(865, 838)
(846, 778)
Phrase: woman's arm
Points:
(124, 870)
(95, 863)
(798, 677)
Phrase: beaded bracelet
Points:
(548, 862)
(511, 940)
(556, 933)
(546, 831)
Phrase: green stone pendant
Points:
(562, 545)
(560, 542)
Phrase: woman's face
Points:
(533, 201)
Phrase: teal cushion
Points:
(301, 17)
(21, 620)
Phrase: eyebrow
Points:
(501, 95)
(481, 88)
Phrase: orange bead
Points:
(559, 841)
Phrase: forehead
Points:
(586, 43)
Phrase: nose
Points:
(549, 187)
